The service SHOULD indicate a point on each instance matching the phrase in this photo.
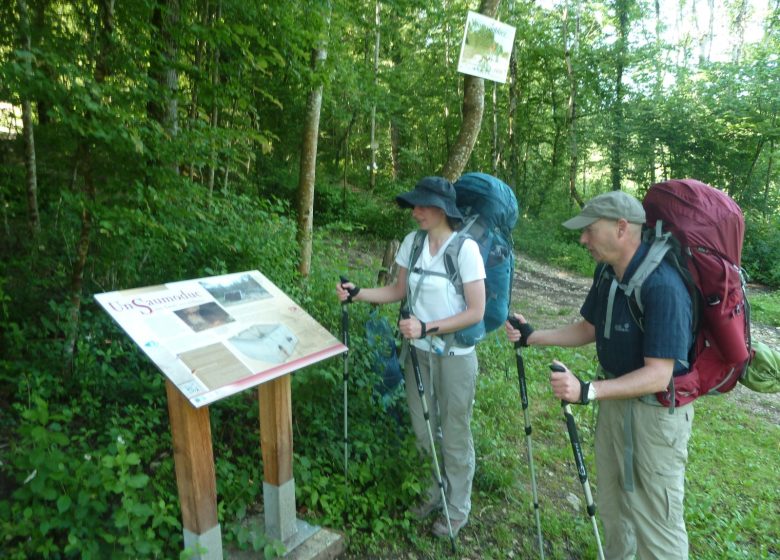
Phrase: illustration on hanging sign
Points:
(214, 337)
(486, 48)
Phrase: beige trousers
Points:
(647, 521)
(450, 385)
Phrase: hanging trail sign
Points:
(486, 48)
(214, 337)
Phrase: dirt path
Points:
(550, 297)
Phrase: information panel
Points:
(486, 48)
(216, 336)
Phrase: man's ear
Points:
(622, 225)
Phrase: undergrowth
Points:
(86, 463)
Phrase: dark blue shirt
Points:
(667, 319)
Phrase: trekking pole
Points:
(421, 391)
(524, 401)
(580, 462)
(345, 340)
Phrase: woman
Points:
(448, 371)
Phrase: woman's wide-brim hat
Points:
(432, 191)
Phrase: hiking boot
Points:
(423, 510)
(440, 527)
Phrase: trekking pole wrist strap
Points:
(424, 330)
(526, 330)
(352, 293)
(584, 391)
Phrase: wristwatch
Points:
(591, 392)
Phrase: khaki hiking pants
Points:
(450, 385)
(648, 520)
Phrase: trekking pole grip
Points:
(574, 437)
(515, 322)
(345, 314)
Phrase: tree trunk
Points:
(214, 116)
(396, 122)
(33, 217)
(38, 31)
(165, 19)
(373, 166)
(192, 113)
(308, 166)
(496, 140)
(740, 8)
(616, 148)
(473, 108)
(511, 117)
(214, 110)
(389, 270)
(571, 109)
(83, 160)
(395, 149)
(766, 208)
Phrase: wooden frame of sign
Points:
(196, 478)
(212, 338)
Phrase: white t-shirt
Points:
(437, 297)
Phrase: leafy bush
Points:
(80, 492)
(761, 251)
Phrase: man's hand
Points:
(567, 386)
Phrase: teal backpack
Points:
(490, 212)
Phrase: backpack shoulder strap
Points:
(449, 257)
(417, 247)
(451, 260)
(633, 288)
(658, 250)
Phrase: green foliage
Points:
(761, 251)
(85, 443)
(80, 492)
(547, 240)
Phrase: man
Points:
(641, 447)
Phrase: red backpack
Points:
(700, 230)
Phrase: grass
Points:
(732, 495)
(765, 308)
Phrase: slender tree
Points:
(473, 109)
(570, 42)
(28, 133)
(622, 8)
(163, 108)
(84, 166)
(308, 160)
(373, 165)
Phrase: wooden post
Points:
(195, 475)
(389, 270)
(276, 444)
